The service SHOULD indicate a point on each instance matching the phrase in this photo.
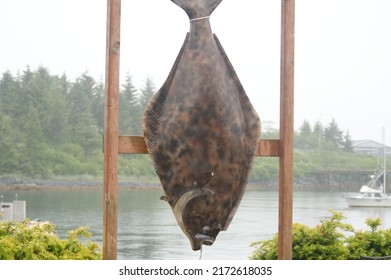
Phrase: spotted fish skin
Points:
(201, 132)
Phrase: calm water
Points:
(147, 228)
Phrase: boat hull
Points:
(359, 201)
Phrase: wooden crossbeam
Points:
(128, 144)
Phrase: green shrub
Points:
(39, 241)
(331, 240)
(375, 243)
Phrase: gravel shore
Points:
(61, 184)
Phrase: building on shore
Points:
(370, 147)
(14, 211)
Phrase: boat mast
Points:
(384, 162)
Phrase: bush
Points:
(331, 240)
(370, 244)
(39, 241)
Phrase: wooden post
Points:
(110, 144)
(286, 130)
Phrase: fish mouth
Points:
(202, 239)
(205, 239)
(197, 237)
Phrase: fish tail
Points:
(197, 8)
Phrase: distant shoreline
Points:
(72, 185)
(14, 184)
(320, 181)
(66, 184)
(30, 184)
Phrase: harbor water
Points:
(147, 228)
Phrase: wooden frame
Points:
(136, 145)
(115, 144)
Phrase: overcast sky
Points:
(342, 63)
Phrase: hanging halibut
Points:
(201, 132)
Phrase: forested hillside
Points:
(51, 126)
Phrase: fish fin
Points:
(165, 198)
(154, 108)
(252, 129)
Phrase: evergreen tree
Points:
(50, 103)
(82, 125)
(318, 131)
(333, 135)
(129, 109)
(10, 135)
(146, 92)
(98, 106)
(9, 89)
(9, 152)
(304, 138)
(35, 150)
(347, 143)
(305, 129)
(57, 127)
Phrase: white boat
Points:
(373, 194)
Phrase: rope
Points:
(200, 18)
